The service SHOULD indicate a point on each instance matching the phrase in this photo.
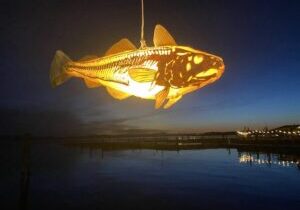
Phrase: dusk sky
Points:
(258, 40)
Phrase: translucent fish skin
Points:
(115, 68)
(164, 72)
(170, 63)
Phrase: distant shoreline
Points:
(172, 142)
(188, 143)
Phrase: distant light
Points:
(245, 134)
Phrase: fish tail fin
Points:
(58, 73)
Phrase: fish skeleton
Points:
(163, 73)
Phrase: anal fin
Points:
(117, 94)
(91, 84)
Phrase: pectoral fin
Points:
(120, 46)
(162, 37)
(117, 94)
(142, 75)
(161, 97)
(172, 101)
(91, 84)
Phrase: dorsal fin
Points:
(88, 57)
(120, 46)
(162, 37)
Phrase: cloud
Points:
(44, 122)
(57, 122)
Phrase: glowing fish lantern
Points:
(163, 73)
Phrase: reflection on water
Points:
(90, 176)
(269, 159)
(281, 158)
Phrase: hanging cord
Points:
(143, 41)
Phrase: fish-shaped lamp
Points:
(163, 73)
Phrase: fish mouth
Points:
(207, 73)
(222, 67)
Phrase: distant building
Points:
(290, 128)
(286, 130)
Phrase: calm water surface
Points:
(71, 177)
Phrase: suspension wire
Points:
(143, 41)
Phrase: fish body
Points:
(164, 72)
